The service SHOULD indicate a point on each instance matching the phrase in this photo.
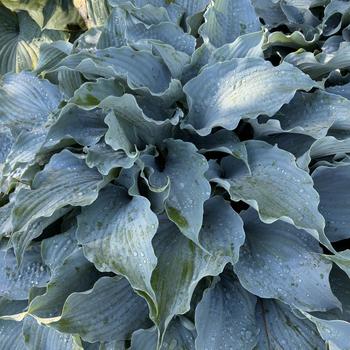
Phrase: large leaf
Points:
(119, 310)
(178, 8)
(188, 188)
(181, 263)
(142, 35)
(331, 184)
(226, 20)
(65, 180)
(219, 320)
(247, 45)
(226, 100)
(180, 333)
(322, 64)
(12, 307)
(130, 126)
(21, 239)
(26, 101)
(37, 336)
(105, 158)
(90, 94)
(280, 328)
(11, 336)
(74, 274)
(279, 261)
(68, 126)
(311, 114)
(140, 69)
(55, 249)
(17, 281)
(275, 187)
(116, 233)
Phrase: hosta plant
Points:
(174, 174)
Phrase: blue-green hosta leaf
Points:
(56, 249)
(270, 11)
(102, 93)
(332, 44)
(113, 33)
(6, 142)
(145, 12)
(198, 60)
(298, 13)
(38, 336)
(11, 337)
(22, 239)
(275, 187)
(150, 12)
(219, 317)
(11, 307)
(145, 179)
(140, 69)
(334, 14)
(280, 328)
(20, 41)
(139, 34)
(66, 180)
(68, 126)
(26, 101)
(189, 189)
(5, 219)
(294, 40)
(179, 335)
(226, 99)
(176, 9)
(342, 90)
(331, 184)
(339, 281)
(247, 45)
(55, 14)
(226, 20)
(279, 261)
(129, 126)
(342, 259)
(109, 311)
(51, 54)
(90, 94)
(320, 65)
(105, 158)
(224, 141)
(113, 345)
(306, 148)
(182, 264)
(69, 81)
(334, 332)
(175, 60)
(334, 326)
(116, 233)
(297, 144)
(16, 281)
(308, 113)
(23, 155)
(120, 133)
(73, 274)
(328, 146)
